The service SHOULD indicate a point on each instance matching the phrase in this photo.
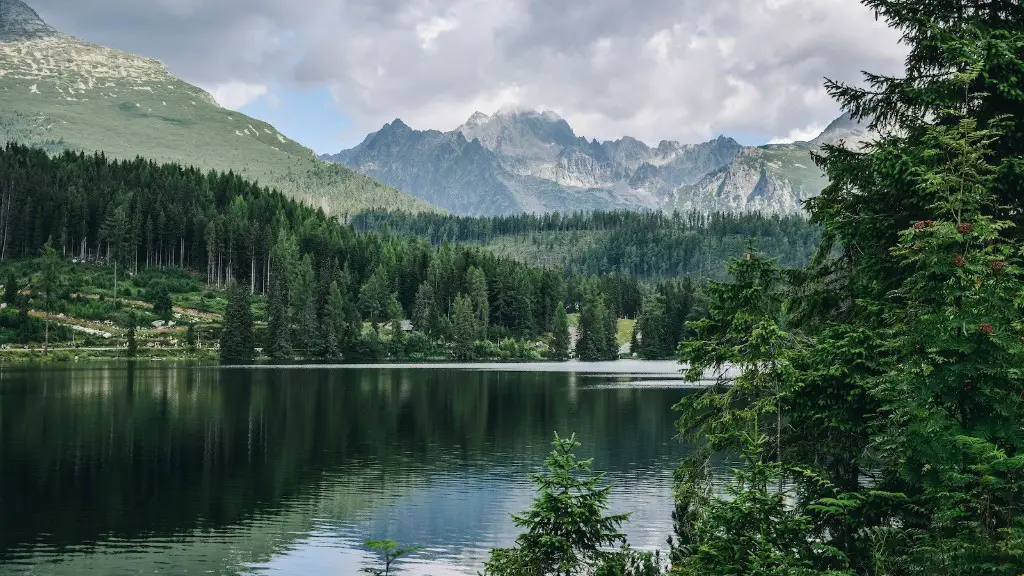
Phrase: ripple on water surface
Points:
(171, 469)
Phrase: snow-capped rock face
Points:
(523, 160)
(20, 22)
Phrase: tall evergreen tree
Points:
(655, 340)
(50, 284)
(11, 289)
(303, 306)
(560, 338)
(283, 258)
(476, 288)
(133, 343)
(376, 298)
(464, 328)
(610, 350)
(333, 323)
(592, 337)
(889, 368)
(237, 337)
(425, 316)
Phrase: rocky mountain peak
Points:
(477, 120)
(844, 129)
(18, 21)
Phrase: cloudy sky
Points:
(326, 72)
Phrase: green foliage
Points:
(133, 343)
(160, 298)
(376, 298)
(879, 388)
(566, 527)
(464, 328)
(391, 551)
(11, 289)
(596, 337)
(560, 337)
(303, 306)
(169, 121)
(237, 337)
(649, 245)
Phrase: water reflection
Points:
(182, 469)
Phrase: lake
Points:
(112, 469)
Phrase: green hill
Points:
(58, 92)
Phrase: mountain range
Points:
(61, 93)
(529, 161)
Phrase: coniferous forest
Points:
(322, 289)
(647, 245)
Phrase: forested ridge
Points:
(313, 281)
(647, 245)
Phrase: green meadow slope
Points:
(58, 92)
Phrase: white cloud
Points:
(234, 95)
(429, 31)
(658, 69)
(800, 134)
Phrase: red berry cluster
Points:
(998, 266)
(923, 224)
(958, 261)
(965, 228)
(986, 328)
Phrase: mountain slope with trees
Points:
(61, 93)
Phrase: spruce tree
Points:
(425, 316)
(560, 338)
(592, 338)
(50, 284)
(887, 371)
(655, 341)
(610, 349)
(333, 323)
(237, 337)
(11, 289)
(303, 307)
(376, 297)
(133, 344)
(464, 328)
(566, 530)
(283, 259)
(476, 288)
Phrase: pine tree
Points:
(610, 350)
(133, 344)
(283, 258)
(592, 339)
(655, 341)
(886, 374)
(376, 298)
(160, 299)
(50, 284)
(333, 323)
(11, 289)
(566, 528)
(425, 316)
(303, 306)
(560, 340)
(464, 328)
(237, 338)
(476, 288)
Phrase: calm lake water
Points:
(175, 469)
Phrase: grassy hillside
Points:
(62, 93)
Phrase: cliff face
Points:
(516, 160)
